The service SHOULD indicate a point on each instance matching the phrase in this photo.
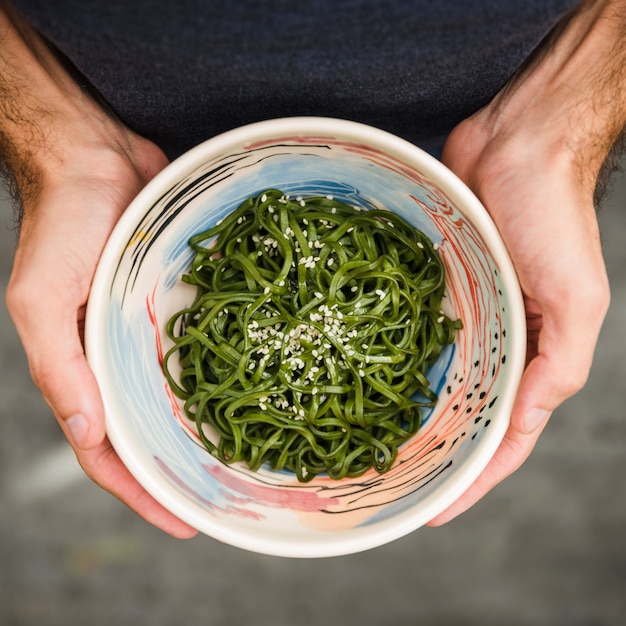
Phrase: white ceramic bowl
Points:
(137, 288)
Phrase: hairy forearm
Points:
(572, 91)
(48, 119)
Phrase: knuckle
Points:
(574, 380)
(18, 297)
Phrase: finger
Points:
(104, 466)
(46, 293)
(511, 454)
(568, 333)
(563, 353)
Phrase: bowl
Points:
(137, 288)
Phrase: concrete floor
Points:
(547, 547)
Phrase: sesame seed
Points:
(264, 198)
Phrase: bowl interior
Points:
(137, 288)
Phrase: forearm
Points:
(571, 94)
(47, 118)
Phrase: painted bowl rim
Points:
(337, 543)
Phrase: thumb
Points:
(46, 298)
(52, 342)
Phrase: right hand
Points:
(65, 227)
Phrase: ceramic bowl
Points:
(137, 288)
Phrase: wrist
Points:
(51, 125)
(566, 106)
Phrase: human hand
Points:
(532, 156)
(77, 168)
(64, 230)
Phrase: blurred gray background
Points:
(548, 546)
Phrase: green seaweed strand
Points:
(310, 336)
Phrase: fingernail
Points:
(535, 418)
(78, 426)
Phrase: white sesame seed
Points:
(264, 198)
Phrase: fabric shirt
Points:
(181, 72)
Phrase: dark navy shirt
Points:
(178, 72)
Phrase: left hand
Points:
(533, 156)
(548, 224)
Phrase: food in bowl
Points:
(309, 340)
